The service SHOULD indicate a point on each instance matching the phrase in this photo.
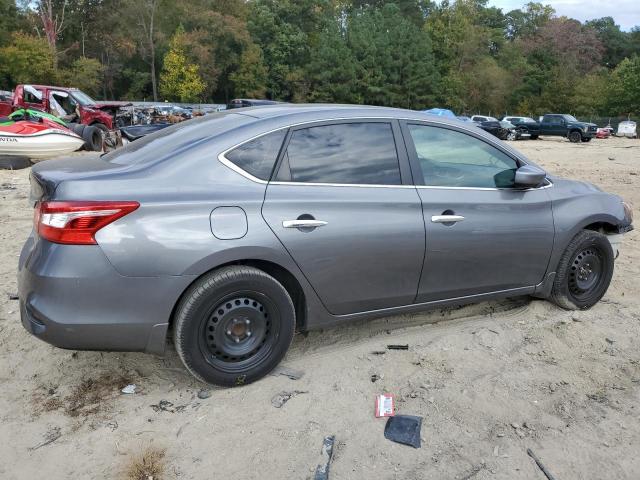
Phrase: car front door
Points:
(483, 233)
(343, 204)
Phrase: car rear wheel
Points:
(534, 137)
(233, 326)
(584, 271)
(575, 137)
(586, 139)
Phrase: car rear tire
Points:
(584, 272)
(533, 137)
(586, 139)
(233, 326)
(575, 137)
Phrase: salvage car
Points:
(231, 232)
(73, 106)
(525, 125)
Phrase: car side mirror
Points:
(529, 176)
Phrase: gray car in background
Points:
(237, 229)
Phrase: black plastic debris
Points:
(398, 347)
(404, 429)
(322, 470)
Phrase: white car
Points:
(482, 118)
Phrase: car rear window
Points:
(172, 140)
(347, 153)
(258, 156)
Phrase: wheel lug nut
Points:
(248, 334)
(228, 332)
(237, 340)
(247, 321)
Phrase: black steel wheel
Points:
(234, 325)
(584, 271)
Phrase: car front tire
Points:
(233, 326)
(584, 272)
(575, 137)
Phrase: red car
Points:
(70, 104)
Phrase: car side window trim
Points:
(416, 169)
(282, 170)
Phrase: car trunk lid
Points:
(46, 176)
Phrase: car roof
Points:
(321, 111)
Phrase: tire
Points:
(586, 139)
(233, 326)
(512, 136)
(92, 137)
(533, 137)
(575, 136)
(107, 141)
(77, 128)
(14, 162)
(584, 272)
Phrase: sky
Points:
(626, 13)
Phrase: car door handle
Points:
(303, 223)
(447, 218)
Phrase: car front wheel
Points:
(575, 137)
(233, 326)
(584, 271)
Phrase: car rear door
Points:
(483, 234)
(343, 204)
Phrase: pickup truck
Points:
(69, 104)
(563, 125)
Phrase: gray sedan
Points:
(235, 230)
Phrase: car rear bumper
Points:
(72, 297)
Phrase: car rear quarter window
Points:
(347, 153)
(449, 158)
(257, 157)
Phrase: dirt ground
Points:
(490, 381)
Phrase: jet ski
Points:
(36, 137)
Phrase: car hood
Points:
(576, 187)
(110, 105)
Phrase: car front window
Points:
(570, 118)
(449, 158)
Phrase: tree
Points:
(143, 13)
(523, 23)
(250, 79)
(85, 74)
(8, 19)
(27, 59)
(616, 43)
(624, 89)
(394, 61)
(180, 80)
(332, 71)
(52, 19)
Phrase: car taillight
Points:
(76, 223)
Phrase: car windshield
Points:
(169, 141)
(529, 119)
(570, 118)
(82, 98)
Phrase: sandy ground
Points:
(490, 380)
